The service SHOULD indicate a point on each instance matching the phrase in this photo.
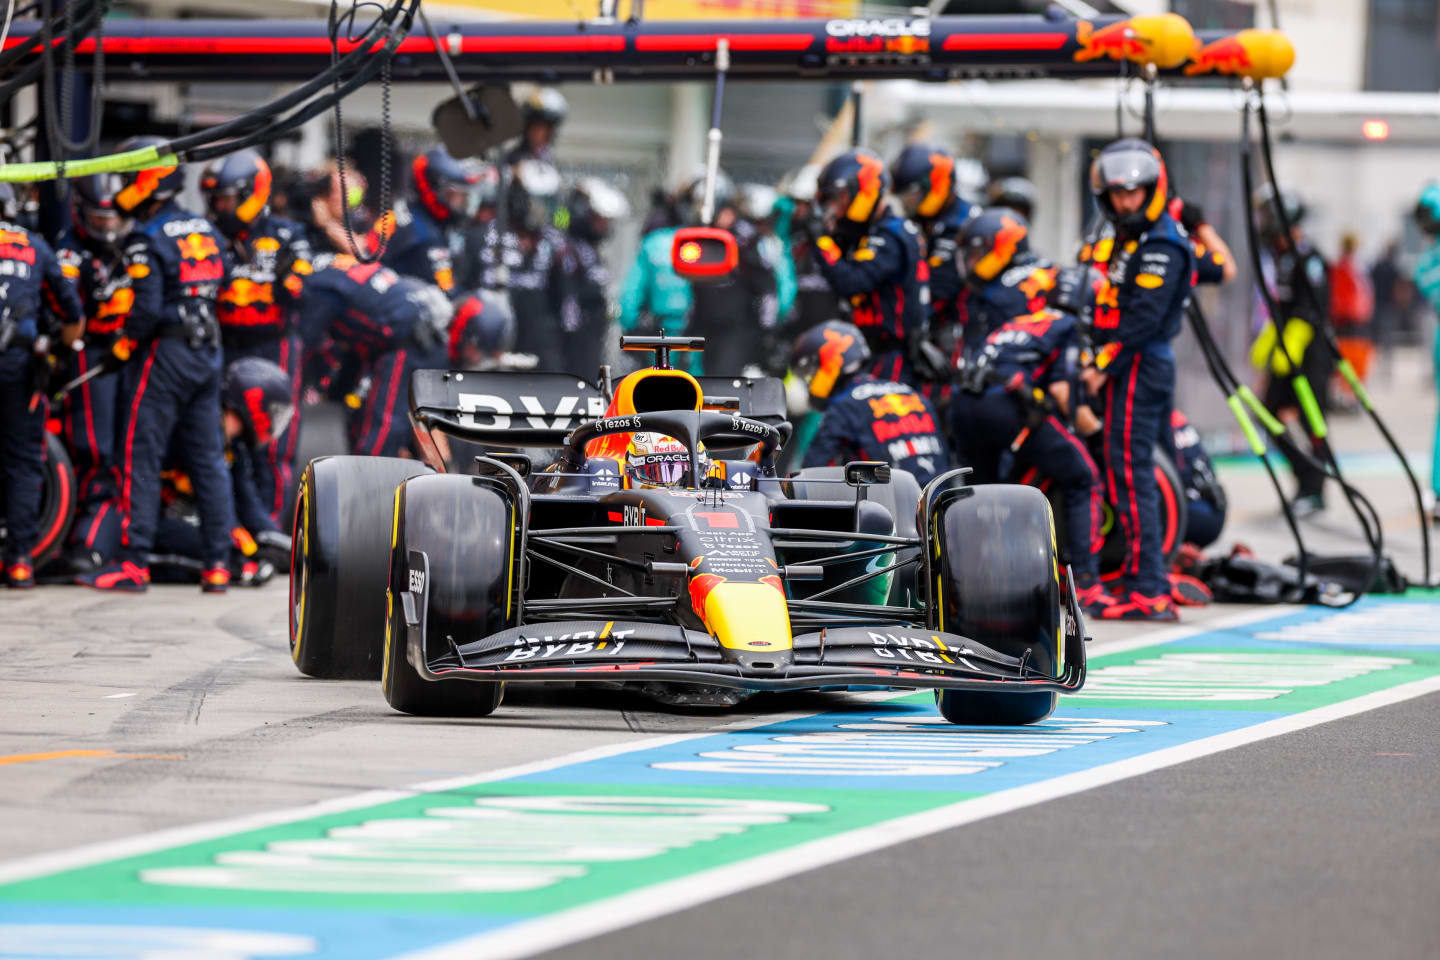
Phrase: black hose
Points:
(1374, 537)
(1229, 385)
(1328, 335)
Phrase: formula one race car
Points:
(693, 577)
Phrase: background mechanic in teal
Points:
(1427, 279)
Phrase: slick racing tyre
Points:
(465, 530)
(57, 504)
(1000, 586)
(340, 562)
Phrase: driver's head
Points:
(657, 461)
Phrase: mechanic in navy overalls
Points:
(924, 183)
(393, 325)
(873, 262)
(257, 307)
(1003, 278)
(30, 282)
(171, 386)
(1150, 276)
(425, 234)
(90, 257)
(866, 417)
(1016, 397)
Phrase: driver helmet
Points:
(655, 460)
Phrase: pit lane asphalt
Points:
(1320, 843)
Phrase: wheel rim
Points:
(299, 569)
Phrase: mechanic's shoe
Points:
(20, 576)
(123, 576)
(1158, 609)
(1094, 599)
(1307, 506)
(1187, 591)
(215, 580)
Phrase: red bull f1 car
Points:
(450, 578)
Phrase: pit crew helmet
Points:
(9, 203)
(1130, 164)
(447, 189)
(1014, 193)
(990, 242)
(236, 188)
(97, 220)
(594, 207)
(690, 198)
(1267, 215)
(153, 184)
(258, 392)
(924, 176)
(656, 461)
(545, 105)
(825, 354)
(483, 330)
(851, 191)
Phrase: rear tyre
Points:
(1000, 587)
(340, 564)
(465, 530)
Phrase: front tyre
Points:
(1000, 586)
(466, 530)
(340, 562)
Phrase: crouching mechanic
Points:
(1149, 276)
(865, 417)
(1003, 278)
(171, 382)
(32, 284)
(1016, 393)
(257, 409)
(873, 262)
(392, 325)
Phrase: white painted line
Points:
(581, 923)
(41, 864)
(90, 854)
(118, 696)
(1102, 648)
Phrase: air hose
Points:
(1342, 365)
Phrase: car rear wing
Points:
(504, 408)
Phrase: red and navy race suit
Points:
(90, 416)
(1027, 353)
(1099, 243)
(257, 319)
(1018, 290)
(948, 302)
(870, 419)
(1149, 282)
(420, 246)
(885, 281)
(1203, 493)
(541, 281)
(171, 386)
(363, 308)
(30, 282)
